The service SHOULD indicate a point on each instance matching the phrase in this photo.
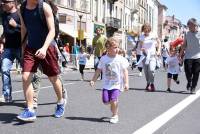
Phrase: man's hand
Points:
(12, 22)
(1, 50)
(180, 59)
(41, 53)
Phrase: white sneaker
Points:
(140, 74)
(114, 119)
(2, 99)
(82, 77)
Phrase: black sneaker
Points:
(168, 90)
(192, 90)
(188, 86)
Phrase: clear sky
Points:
(183, 9)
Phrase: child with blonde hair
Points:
(115, 76)
(173, 68)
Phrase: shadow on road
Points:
(50, 103)
(161, 91)
(102, 119)
(43, 116)
(18, 103)
(7, 118)
(73, 80)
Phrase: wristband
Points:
(18, 26)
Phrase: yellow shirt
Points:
(98, 45)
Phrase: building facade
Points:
(75, 20)
(172, 28)
(120, 18)
(161, 20)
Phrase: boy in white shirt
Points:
(115, 76)
(173, 68)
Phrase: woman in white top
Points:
(150, 48)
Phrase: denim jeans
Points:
(8, 57)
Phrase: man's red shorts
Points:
(49, 65)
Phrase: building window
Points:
(85, 5)
(121, 14)
(116, 12)
(104, 11)
(125, 19)
(62, 18)
(95, 11)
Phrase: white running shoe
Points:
(114, 119)
(140, 74)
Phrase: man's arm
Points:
(2, 42)
(41, 53)
(182, 49)
(14, 24)
(50, 23)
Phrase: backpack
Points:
(42, 15)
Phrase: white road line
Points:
(19, 91)
(158, 122)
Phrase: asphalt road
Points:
(139, 111)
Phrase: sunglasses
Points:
(5, 2)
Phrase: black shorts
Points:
(174, 76)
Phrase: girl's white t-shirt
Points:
(112, 69)
(173, 64)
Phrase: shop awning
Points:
(69, 30)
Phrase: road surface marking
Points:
(19, 91)
(158, 122)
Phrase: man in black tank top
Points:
(10, 43)
(41, 51)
